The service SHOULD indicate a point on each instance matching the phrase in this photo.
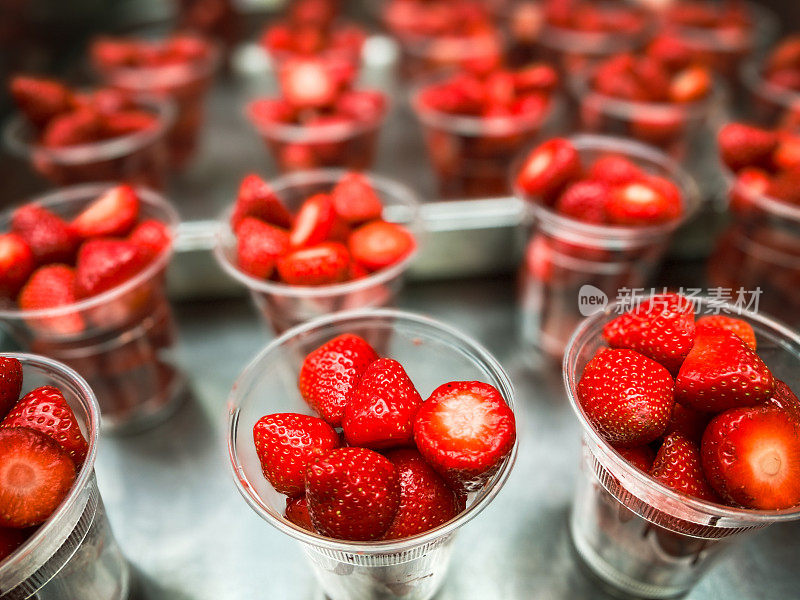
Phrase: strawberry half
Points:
(330, 373)
(297, 513)
(549, 168)
(48, 236)
(741, 328)
(153, 236)
(380, 244)
(784, 399)
(10, 383)
(323, 264)
(380, 411)
(50, 287)
(259, 245)
(742, 145)
(465, 430)
(353, 494)
(677, 466)
(16, 264)
(40, 99)
(752, 457)
(105, 263)
(112, 214)
(36, 475)
(256, 198)
(584, 201)
(308, 83)
(641, 457)
(642, 203)
(722, 372)
(354, 200)
(426, 501)
(287, 443)
(615, 170)
(314, 222)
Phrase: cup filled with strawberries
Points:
(316, 242)
(55, 539)
(774, 85)
(604, 210)
(74, 136)
(691, 437)
(82, 281)
(371, 437)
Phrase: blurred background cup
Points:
(73, 554)
(407, 569)
(638, 536)
(769, 105)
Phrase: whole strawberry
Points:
(626, 396)
(738, 326)
(10, 383)
(49, 237)
(549, 168)
(784, 399)
(114, 213)
(16, 264)
(690, 423)
(641, 457)
(104, 263)
(677, 466)
(257, 199)
(297, 513)
(259, 245)
(353, 494)
(742, 145)
(287, 443)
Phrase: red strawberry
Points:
(314, 221)
(722, 372)
(40, 99)
(297, 513)
(742, 145)
(584, 201)
(50, 287)
(465, 430)
(267, 111)
(16, 264)
(737, 326)
(46, 410)
(48, 236)
(109, 101)
(785, 399)
(353, 494)
(36, 474)
(10, 540)
(257, 199)
(626, 396)
(426, 501)
(641, 457)
(677, 466)
(380, 411)
(10, 383)
(323, 264)
(114, 213)
(615, 170)
(786, 156)
(287, 443)
(259, 247)
(538, 77)
(380, 244)
(549, 168)
(77, 127)
(105, 263)
(362, 105)
(688, 422)
(642, 203)
(128, 122)
(752, 457)
(786, 186)
(661, 328)
(354, 200)
(751, 183)
(331, 372)
(690, 85)
(308, 83)
(153, 236)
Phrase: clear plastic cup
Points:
(769, 105)
(638, 536)
(121, 341)
(283, 306)
(567, 259)
(139, 158)
(73, 554)
(408, 569)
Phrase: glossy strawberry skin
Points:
(687, 422)
(641, 457)
(259, 246)
(640, 203)
(584, 201)
(256, 198)
(742, 145)
(549, 168)
(380, 244)
(50, 287)
(50, 239)
(677, 465)
(297, 512)
(615, 170)
(738, 326)
(323, 264)
(40, 99)
(354, 199)
(16, 264)
(783, 398)
(105, 263)
(10, 383)
(153, 236)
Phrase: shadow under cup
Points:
(412, 568)
(638, 536)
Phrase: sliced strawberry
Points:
(128, 122)
(268, 111)
(323, 264)
(36, 474)
(464, 430)
(688, 422)
(287, 443)
(615, 170)
(50, 287)
(153, 236)
(743, 145)
(677, 466)
(584, 201)
(741, 328)
(784, 399)
(641, 457)
(549, 168)
(75, 128)
(16, 264)
(10, 383)
(752, 457)
(362, 105)
(690, 85)
(308, 83)
(48, 236)
(353, 494)
(114, 213)
(257, 199)
(314, 221)
(380, 244)
(46, 410)
(259, 247)
(10, 540)
(642, 203)
(105, 263)
(40, 99)
(354, 199)
(380, 411)
(330, 373)
(297, 513)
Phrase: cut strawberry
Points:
(259, 247)
(538, 77)
(128, 122)
(786, 156)
(354, 199)
(110, 101)
(677, 466)
(323, 264)
(642, 203)
(464, 430)
(742, 145)
(50, 287)
(105, 263)
(153, 236)
(784, 399)
(308, 83)
(741, 328)
(549, 168)
(297, 513)
(36, 474)
(257, 199)
(615, 170)
(690, 85)
(641, 457)
(112, 214)
(10, 383)
(314, 221)
(584, 201)
(50, 239)
(40, 99)
(75, 128)
(380, 244)
(16, 264)
(752, 457)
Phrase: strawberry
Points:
(786, 186)
(109, 101)
(16, 264)
(722, 372)
(464, 430)
(287, 443)
(690, 85)
(297, 513)
(643, 203)
(259, 247)
(308, 83)
(786, 156)
(362, 105)
(331, 372)
(380, 411)
(380, 244)
(10, 540)
(75, 128)
(46, 410)
(784, 399)
(751, 456)
(50, 287)
(353, 494)
(114, 213)
(677, 466)
(10, 383)
(314, 221)
(105, 263)
(323, 264)
(626, 396)
(584, 201)
(751, 183)
(264, 112)
(741, 328)
(537, 77)
(743, 145)
(48, 236)
(687, 422)
(40, 99)
(641, 457)
(549, 168)
(426, 501)
(257, 199)
(36, 474)
(354, 199)
(615, 170)
(661, 328)
(128, 122)
(153, 236)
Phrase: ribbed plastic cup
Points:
(431, 352)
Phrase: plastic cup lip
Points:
(388, 186)
(751, 74)
(595, 43)
(486, 495)
(620, 235)
(89, 192)
(15, 561)
(591, 327)
(774, 206)
(17, 135)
